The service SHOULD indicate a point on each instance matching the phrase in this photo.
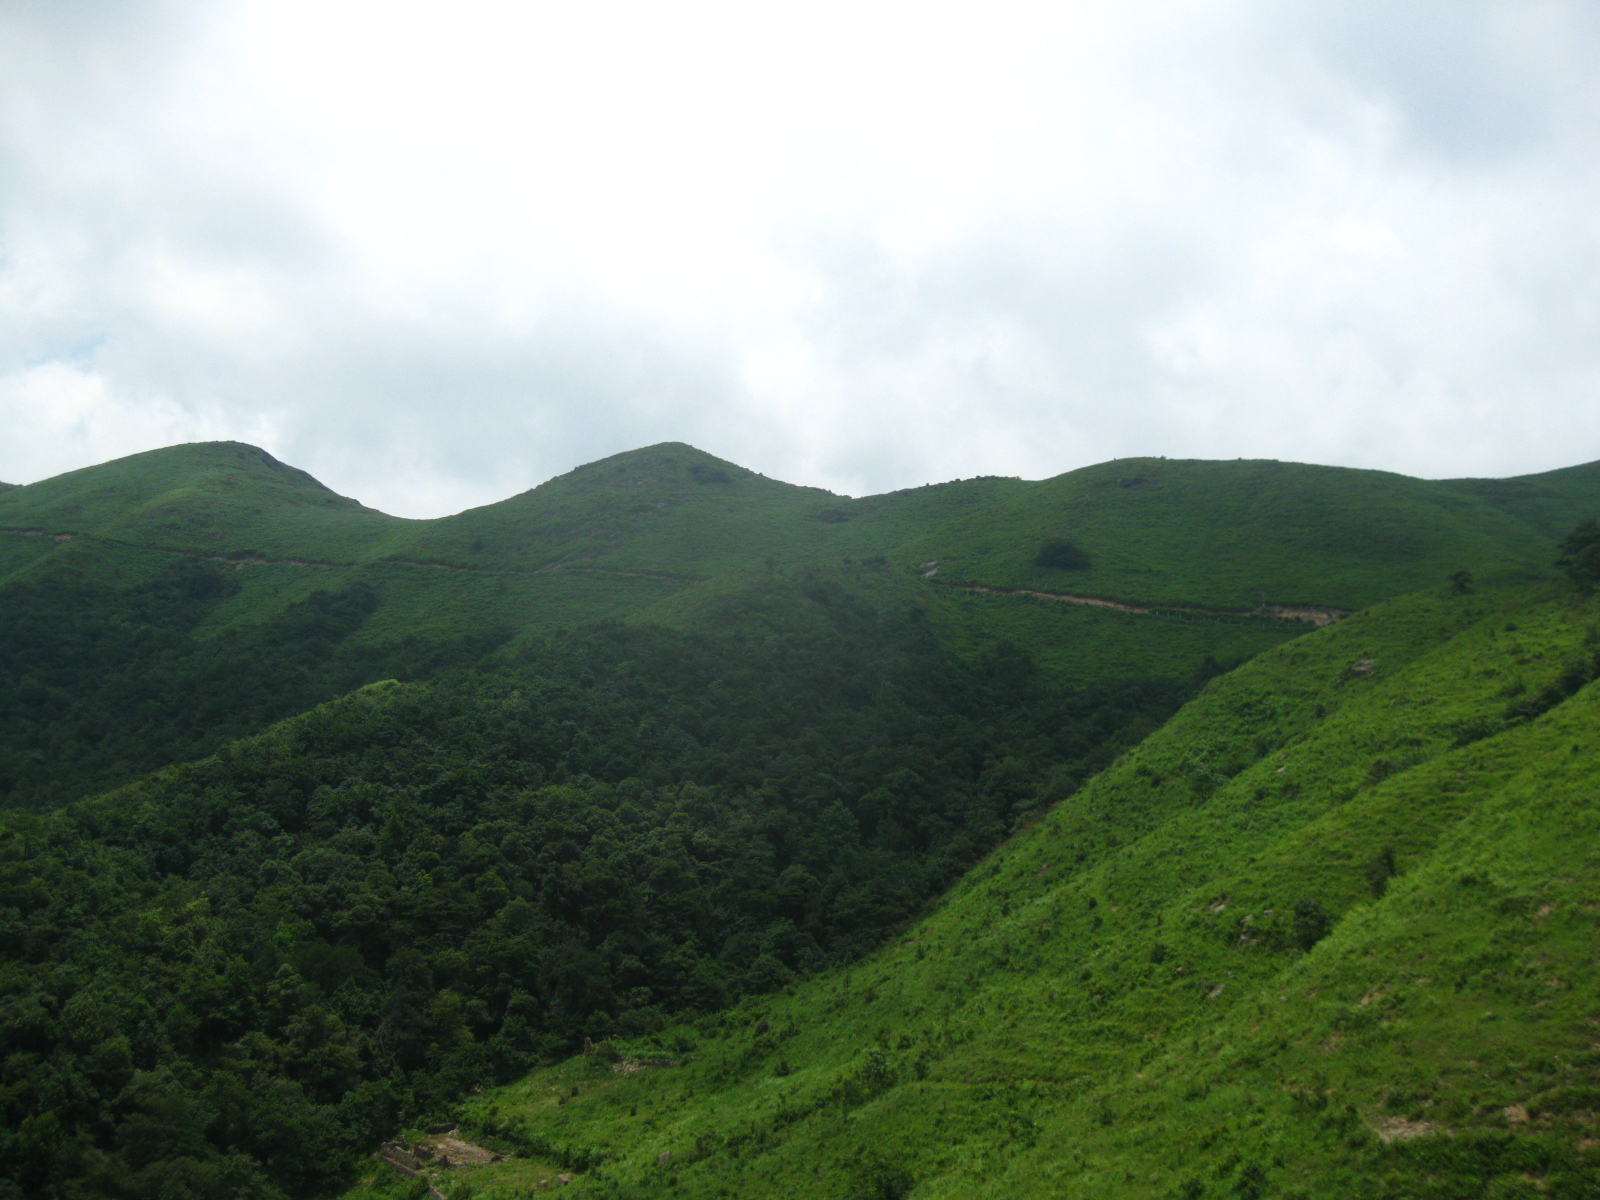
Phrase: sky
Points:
(438, 253)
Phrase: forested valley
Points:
(235, 976)
(1167, 828)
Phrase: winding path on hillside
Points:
(1318, 615)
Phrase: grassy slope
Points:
(1229, 533)
(1028, 1038)
(1552, 502)
(660, 533)
(207, 497)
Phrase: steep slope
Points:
(223, 979)
(1329, 932)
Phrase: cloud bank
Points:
(437, 253)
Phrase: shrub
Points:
(1311, 922)
(1580, 555)
(1059, 554)
(1380, 870)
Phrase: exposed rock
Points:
(1400, 1129)
(664, 1158)
(447, 1127)
(398, 1157)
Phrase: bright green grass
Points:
(1029, 1037)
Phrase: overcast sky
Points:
(435, 253)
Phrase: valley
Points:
(1166, 828)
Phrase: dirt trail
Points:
(1314, 614)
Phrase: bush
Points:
(1580, 555)
(1059, 554)
(879, 1180)
(1311, 922)
(1380, 870)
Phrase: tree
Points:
(1580, 555)
(1059, 554)
(1311, 922)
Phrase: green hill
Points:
(223, 979)
(222, 498)
(1552, 502)
(1329, 932)
(704, 767)
(1203, 562)
(668, 517)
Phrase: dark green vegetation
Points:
(1330, 932)
(226, 979)
(153, 607)
(101, 684)
(1580, 555)
(658, 752)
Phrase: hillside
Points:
(1168, 566)
(1329, 932)
(705, 767)
(227, 978)
(221, 498)
(1551, 502)
(1220, 535)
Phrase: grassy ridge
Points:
(1328, 932)
(1211, 534)
(207, 497)
(1552, 501)
(1230, 534)
(666, 533)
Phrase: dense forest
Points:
(99, 684)
(234, 976)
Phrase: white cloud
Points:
(435, 253)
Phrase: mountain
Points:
(214, 570)
(1329, 932)
(659, 521)
(1165, 828)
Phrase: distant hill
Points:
(1137, 568)
(618, 536)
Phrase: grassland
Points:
(657, 534)
(1329, 932)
